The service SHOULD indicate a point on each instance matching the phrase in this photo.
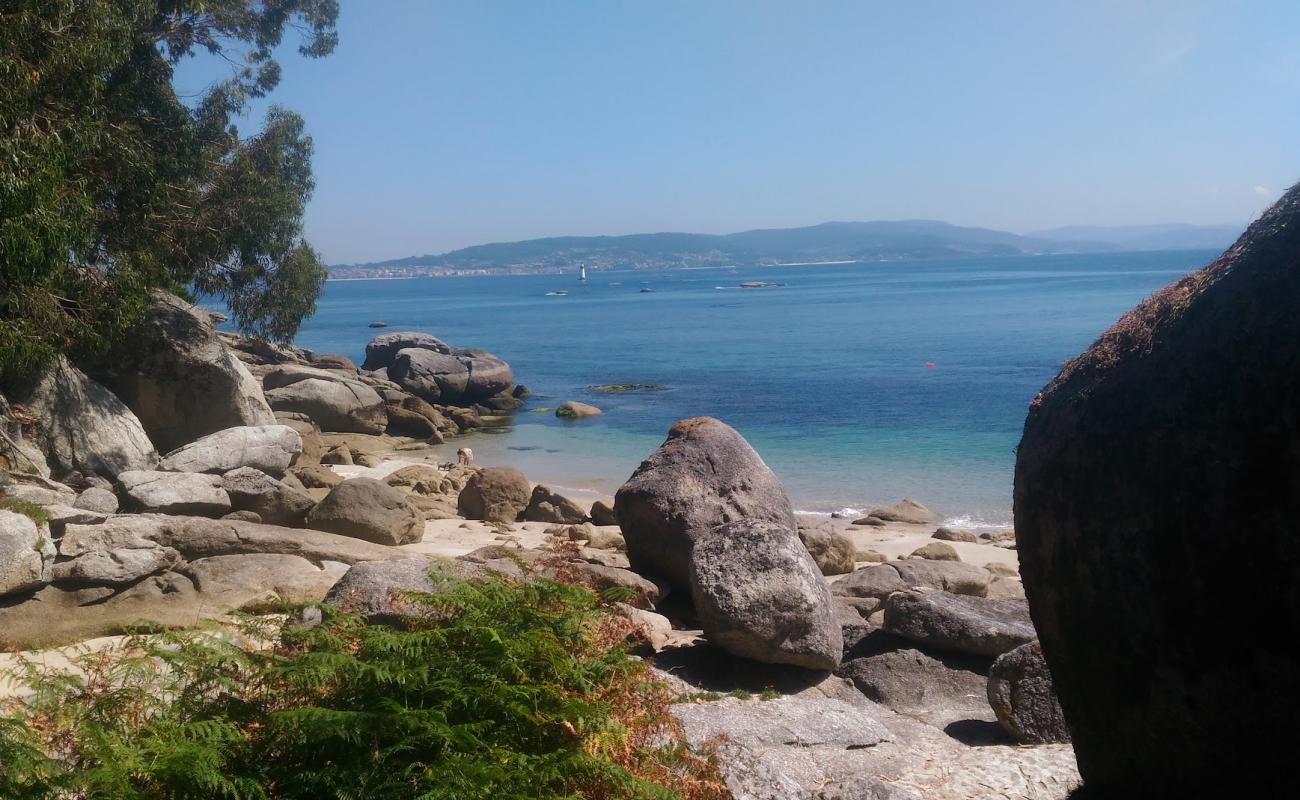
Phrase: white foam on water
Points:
(843, 512)
(968, 522)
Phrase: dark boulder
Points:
(1175, 436)
(704, 475)
(1021, 693)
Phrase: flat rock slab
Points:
(806, 722)
(976, 625)
(196, 537)
(268, 448)
(175, 492)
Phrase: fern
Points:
(495, 688)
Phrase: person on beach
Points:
(465, 456)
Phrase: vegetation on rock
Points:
(112, 185)
(495, 688)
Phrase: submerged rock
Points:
(572, 409)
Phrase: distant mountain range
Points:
(831, 241)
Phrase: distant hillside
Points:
(1149, 237)
(831, 241)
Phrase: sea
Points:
(860, 384)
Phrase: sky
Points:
(441, 124)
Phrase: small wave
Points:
(969, 522)
(843, 512)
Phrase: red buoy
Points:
(929, 364)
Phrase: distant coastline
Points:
(826, 244)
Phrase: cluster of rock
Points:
(189, 474)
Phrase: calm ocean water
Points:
(827, 376)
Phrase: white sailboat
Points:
(582, 272)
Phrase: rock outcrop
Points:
(85, 428)
(181, 381)
(704, 475)
(1178, 427)
(267, 448)
(368, 509)
(759, 595)
(435, 371)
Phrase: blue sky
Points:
(444, 124)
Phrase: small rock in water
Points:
(572, 409)
(378, 324)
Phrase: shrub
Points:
(32, 511)
(496, 688)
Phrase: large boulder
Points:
(274, 502)
(704, 475)
(462, 376)
(978, 626)
(341, 406)
(368, 509)
(26, 553)
(495, 494)
(188, 493)
(759, 595)
(832, 550)
(267, 448)
(1021, 693)
(546, 505)
(85, 427)
(1175, 436)
(180, 380)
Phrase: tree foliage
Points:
(497, 688)
(111, 184)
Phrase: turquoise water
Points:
(826, 376)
